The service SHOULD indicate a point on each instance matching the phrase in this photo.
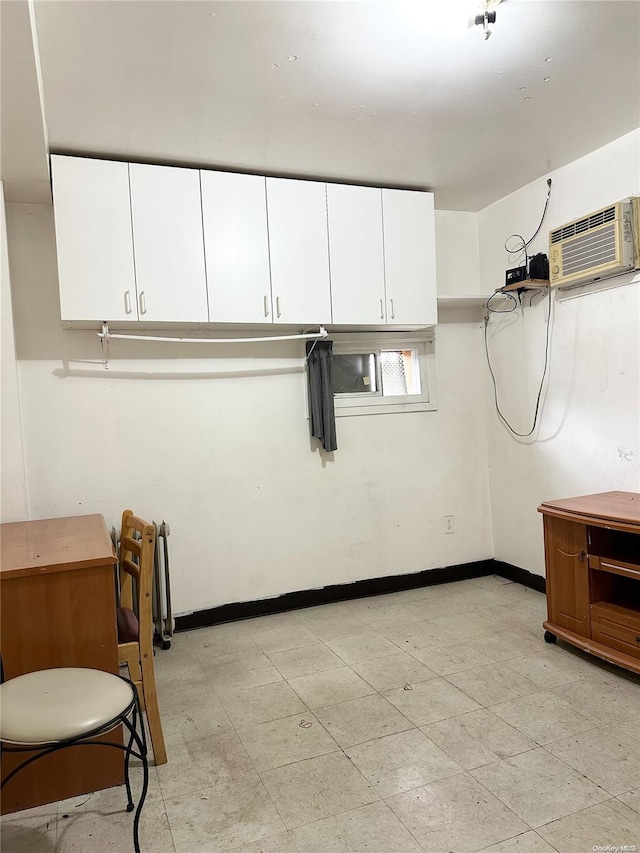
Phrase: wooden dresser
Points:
(592, 556)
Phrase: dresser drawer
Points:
(617, 627)
(616, 567)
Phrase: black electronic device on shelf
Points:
(515, 275)
(539, 266)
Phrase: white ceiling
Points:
(348, 91)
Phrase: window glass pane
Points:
(399, 373)
(354, 373)
(412, 371)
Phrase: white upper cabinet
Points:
(298, 241)
(168, 243)
(173, 245)
(410, 257)
(356, 254)
(236, 242)
(93, 237)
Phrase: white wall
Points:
(222, 450)
(221, 442)
(24, 153)
(13, 505)
(588, 439)
(457, 259)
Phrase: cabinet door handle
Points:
(579, 554)
(278, 312)
(127, 302)
(382, 309)
(393, 310)
(143, 303)
(266, 306)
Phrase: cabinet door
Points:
(93, 237)
(168, 243)
(565, 545)
(410, 257)
(356, 254)
(299, 251)
(234, 213)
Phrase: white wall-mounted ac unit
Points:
(593, 247)
(635, 205)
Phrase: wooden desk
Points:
(58, 608)
(592, 556)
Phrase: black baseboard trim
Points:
(337, 592)
(515, 573)
(357, 589)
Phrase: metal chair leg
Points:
(127, 778)
(141, 742)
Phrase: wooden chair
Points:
(135, 633)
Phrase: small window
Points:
(374, 375)
(355, 373)
(400, 372)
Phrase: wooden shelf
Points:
(470, 300)
(527, 284)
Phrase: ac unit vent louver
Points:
(596, 246)
(582, 225)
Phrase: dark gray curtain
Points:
(319, 373)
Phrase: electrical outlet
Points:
(448, 524)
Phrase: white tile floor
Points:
(431, 720)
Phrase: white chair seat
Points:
(53, 705)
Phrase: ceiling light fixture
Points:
(487, 17)
(448, 18)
